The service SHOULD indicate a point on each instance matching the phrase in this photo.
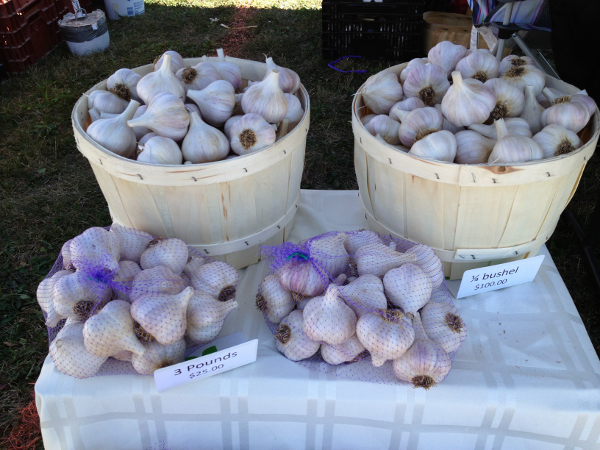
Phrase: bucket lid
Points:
(91, 19)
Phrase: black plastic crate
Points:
(387, 30)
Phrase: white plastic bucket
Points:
(86, 35)
(124, 8)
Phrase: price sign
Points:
(485, 279)
(217, 357)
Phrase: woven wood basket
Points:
(224, 209)
(472, 215)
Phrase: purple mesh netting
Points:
(363, 306)
(120, 301)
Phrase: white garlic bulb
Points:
(204, 143)
(366, 119)
(386, 334)
(92, 96)
(569, 111)
(192, 107)
(228, 71)
(250, 134)
(266, 99)
(79, 295)
(94, 114)
(289, 81)
(356, 239)
(158, 356)
(521, 76)
(199, 76)
(385, 127)
(132, 242)
(159, 82)
(157, 280)
(291, 340)
(176, 61)
(123, 83)
(273, 300)
(382, 91)
(511, 61)
(428, 82)
(295, 113)
(216, 102)
(555, 140)
(378, 259)
(123, 279)
(416, 124)
(329, 253)
(443, 325)
(425, 363)
(146, 138)
(69, 354)
(408, 287)
(429, 263)
(411, 65)
(515, 125)
(408, 104)
(229, 124)
(206, 316)
(472, 147)
(65, 253)
(480, 64)
(107, 102)
(160, 150)
(140, 132)
(302, 278)
(365, 294)
(446, 55)
(166, 116)
(217, 278)
(172, 253)
(95, 247)
(345, 352)
(532, 111)
(440, 146)
(510, 99)
(511, 148)
(446, 125)
(467, 101)
(114, 134)
(44, 298)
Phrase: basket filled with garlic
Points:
(474, 157)
(362, 305)
(120, 301)
(208, 150)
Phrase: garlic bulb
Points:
(515, 61)
(229, 124)
(443, 325)
(428, 82)
(408, 287)
(204, 143)
(378, 259)
(108, 102)
(345, 352)
(467, 101)
(114, 134)
(216, 102)
(146, 138)
(382, 91)
(446, 125)
(166, 116)
(172, 253)
(206, 316)
(480, 64)
(555, 140)
(77, 296)
(289, 81)
(364, 295)
(510, 99)
(472, 147)
(198, 77)
(366, 119)
(273, 300)
(328, 319)
(515, 125)
(250, 134)
(158, 280)
(65, 253)
(160, 150)
(123, 279)
(329, 253)
(92, 96)
(356, 239)
(302, 278)
(570, 111)
(521, 76)
(266, 99)
(192, 107)
(110, 331)
(429, 263)
(411, 65)
(387, 334)
(385, 127)
(425, 363)
(176, 61)
(158, 356)
(123, 83)
(513, 148)
(228, 71)
(440, 146)
(132, 242)
(163, 316)
(217, 279)
(44, 298)
(69, 354)
(95, 247)
(295, 113)
(140, 132)
(408, 104)
(532, 111)
(159, 82)
(417, 124)
(291, 340)
(446, 55)
(94, 114)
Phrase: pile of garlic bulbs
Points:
(465, 106)
(123, 294)
(349, 295)
(193, 115)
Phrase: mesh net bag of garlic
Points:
(465, 106)
(193, 115)
(350, 302)
(120, 301)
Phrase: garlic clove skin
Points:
(513, 148)
(289, 81)
(378, 259)
(123, 279)
(69, 354)
(329, 253)
(157, 356)
(217, 278)
(345, 352)
(176, 61)
(229, 124)
(302, 278)
(206, 316)
(467, 101)
(417, 124)
(408, 104)
(204, 143)
(166, 116)
(266, 99)
(114, 134)
(273, 300)
(532, 111)
(146, 138)
(572, 116)
(123, 83)
(110, 331)
(521, 76)
(250, 134)
(386, 334)
(429, 263)
(364, 295)
(366, 119)
(140, 132)
(45, 300)
(160, 150)
(510, 99)
(228, 71)
(472, 147)
(443, 325)
(163, 80)
(381, 92)
(408, 287)
(291, 340)
(132, 242)
(515, 61)
(385, 127)
(480, 64)
(440, 146)
(94, 114)
(411, 65)
(555, 140)
(446, 55)
(65, 253)
(107, 102)
(356, 239)
(95, 247)
(172, 253)
(92, 96)
(192, 107)
(158, 280)
(216, 102)
(77, 296)
(446, 125)
(295, 113)
(124, 356)
(515, 125)
(428, 82)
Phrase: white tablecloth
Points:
(527, 377)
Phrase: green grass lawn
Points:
(48, 192)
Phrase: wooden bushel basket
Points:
(471, 215)
(224, 209)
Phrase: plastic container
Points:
(124, 8)
(88, 34)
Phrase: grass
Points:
(48, 192)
